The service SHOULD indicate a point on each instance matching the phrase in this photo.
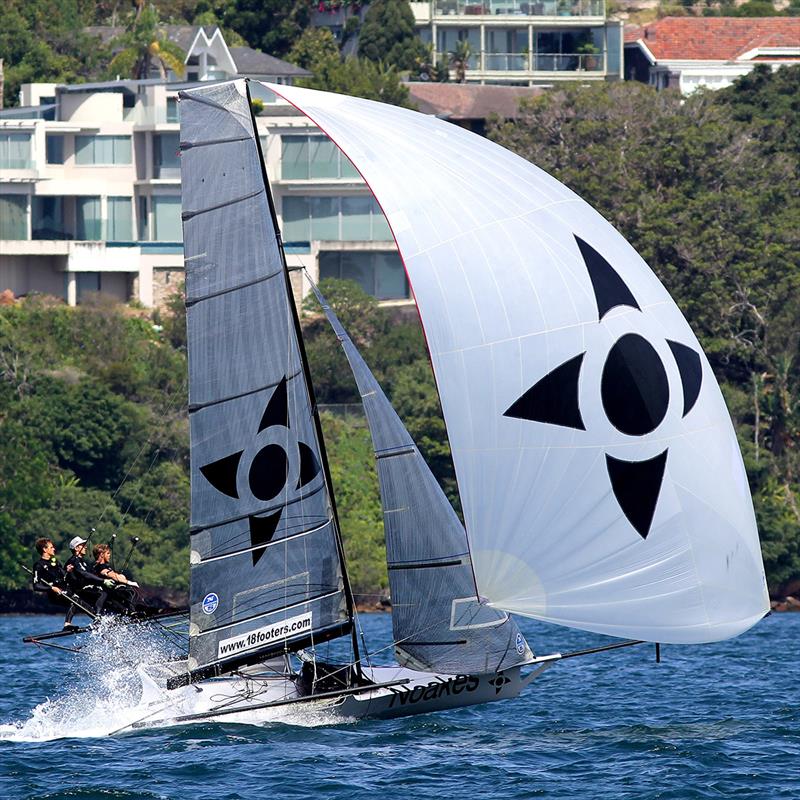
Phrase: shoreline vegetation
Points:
(93, 425)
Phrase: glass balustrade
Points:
(516, 8)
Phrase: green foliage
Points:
(314, 50)
(270, 25)
(360, 78)
(355, 483)
(92, 401)
(388, 35)
(144, 45)
(44, 40)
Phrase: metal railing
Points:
(517, 8)
(543, 62)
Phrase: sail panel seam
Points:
(195, 529)
(193, 407)
(427, 565)
(194, 300)
(264, 546)
(394, 452)
(206, 143)
(187, 215)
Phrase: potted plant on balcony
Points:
(588, 52)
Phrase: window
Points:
(47, 218)
(13, 216)
(304, 157)
(447, 39)
(167, 219)
(379, 274)
(90, 223)
(54, 144)
(173, 110)
(102, 150)
(355, 218)
(166, 155)
(120, 223)
(507, 49)
(15, 151)
(86, 283)
(144, 225)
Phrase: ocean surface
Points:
(711, 721)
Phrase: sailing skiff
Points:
(599, 474)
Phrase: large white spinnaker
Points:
(599, 472)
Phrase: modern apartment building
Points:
(513, 42)
(90, 196)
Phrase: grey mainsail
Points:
(266, 570)
(438, 621)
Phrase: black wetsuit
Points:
(48, 573)
(83, 582)
(120, 595)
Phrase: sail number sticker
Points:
(210, 603)
(264, 635)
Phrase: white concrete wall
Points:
(98, 108)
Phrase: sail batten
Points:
(256, 585)
(622, 461)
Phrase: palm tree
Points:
(459, 59)
(145, 44)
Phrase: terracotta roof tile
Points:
(714, 38)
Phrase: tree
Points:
(459, 59)
(44, 40)
(270, 25)
(355, 483)
(315, 50)
(361, 78)
(145, 45)
(388, 35)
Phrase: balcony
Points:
(543, 62)
(519, 8)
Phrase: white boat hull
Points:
(258, 699)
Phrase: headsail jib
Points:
(438, 621)
(266, 568)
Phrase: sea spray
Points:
(101, 689)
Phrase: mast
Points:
(348, 591)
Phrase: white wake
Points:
(103, 693)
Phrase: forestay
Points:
(599, 472)
(265, 566)
(438, 622)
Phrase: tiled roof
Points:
(253, 62)
(714, 38)
(182, 35)
(469, 100)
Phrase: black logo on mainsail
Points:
(634, 390)
(268, 473)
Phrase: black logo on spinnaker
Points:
(633, 388)
(268, 473)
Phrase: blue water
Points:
(712, 721)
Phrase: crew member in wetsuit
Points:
(49, 576)
(82, 581)
(120, 591)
